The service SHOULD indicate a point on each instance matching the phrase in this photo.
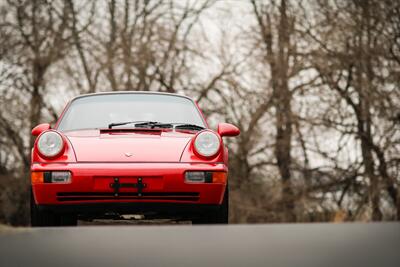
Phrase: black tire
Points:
(68, 220)
(41, 218)
(220, 216)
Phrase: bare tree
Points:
(352, 59)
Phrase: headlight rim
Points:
(60, 151)
(198, 153)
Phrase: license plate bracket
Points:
(117, 185)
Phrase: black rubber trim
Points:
(188, 194)
(126, 198)
(92, 196)
(131, 208)
(47, 177)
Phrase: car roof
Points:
(129, 92)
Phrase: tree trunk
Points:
(36, 98)
(284, 115)
(110, 46)
(364, 115)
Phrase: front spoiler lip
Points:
(132, 208)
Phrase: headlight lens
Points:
(50, 144)
(207, 144)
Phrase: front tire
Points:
(68, 220)
(40, 218)
(220, 216)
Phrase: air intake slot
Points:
(93, 196)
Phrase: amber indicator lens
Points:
(219, 177)
(37, 177)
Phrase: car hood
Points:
(129, 146)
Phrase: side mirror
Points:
(40, 129)
(227, 129)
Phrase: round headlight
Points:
(50, 144)
(207, 144)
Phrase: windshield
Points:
(98, 111)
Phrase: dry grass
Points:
(9, 229)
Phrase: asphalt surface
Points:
(297, 245)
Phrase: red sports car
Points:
(130, 153)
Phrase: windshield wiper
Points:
(154, 124)
(128, 122)
(188, 126)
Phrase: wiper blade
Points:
(188, 126)
(153, 124)
(128, 122)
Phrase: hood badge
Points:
(128, 154)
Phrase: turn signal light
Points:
(219, 177)
(205, 177)
(37, 177)
(51, 177)
(63, 177)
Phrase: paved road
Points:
(294, 245)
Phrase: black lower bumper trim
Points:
(126, 198)
(180, 209)
(92, 196)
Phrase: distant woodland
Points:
(313, 85)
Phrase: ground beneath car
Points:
(308, 245)
(132, 221)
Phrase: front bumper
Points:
(90, 185)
